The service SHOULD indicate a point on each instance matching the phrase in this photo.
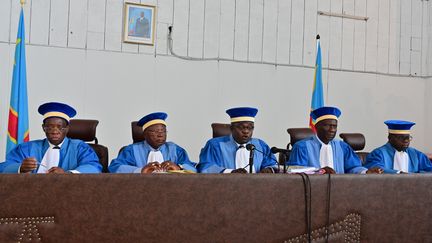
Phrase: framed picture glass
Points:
(139, 23)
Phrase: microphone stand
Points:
(251, 157)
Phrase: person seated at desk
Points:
(228, 154)
(56, 153)
(154, 154)
(396, 156)
(323, 151)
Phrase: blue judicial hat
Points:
(152, 119)
(325, 112)
(399, 126)
(56, 109)
(240, 114)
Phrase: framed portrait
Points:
(139, 23)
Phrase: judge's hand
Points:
(267, 170)
(28, 164)
(375, 170)
(150, 167)
(328, 170)
(56, 170)
(241, 170)
(168, 165)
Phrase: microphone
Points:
(267, 155)
(251, 148)
(275, 150)
(282, 151)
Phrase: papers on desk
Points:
(302, 169)
(173, 172)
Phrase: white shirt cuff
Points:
(74, 172)
(227, 171)
(138, 171)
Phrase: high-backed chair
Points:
(357, 142)
(85, 130)
(221, 129)
(137, 134)
(296, 134)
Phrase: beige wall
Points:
(75, 55)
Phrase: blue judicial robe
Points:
(220, 153)
(134, 157)
(307, 152)
(383, 157)
(74, 155)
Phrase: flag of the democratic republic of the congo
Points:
(18, 125)
(317, 93)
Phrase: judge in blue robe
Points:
(396, 156)
(323, 151)
(229, 154)
(56, 153)
(154, 154)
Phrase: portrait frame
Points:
(139, 23)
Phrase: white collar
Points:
(323, 144)
(52, 145)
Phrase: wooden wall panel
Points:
(256, 23)
(396, 39)
(241, 35)
(40, 22)
(335, 48)
(324, 31)
(196, 28)
(181, 27)
(297, 29)
(394, 36)
(284, 32)
(359, 51)
(114, 25)
(270, 31)
(96, 24)
(227, 25)
(165, 19)
(310, 32)
(59, 23)
(372, 35)
(78, 12)
(212, 28)
(405, 38)
(5, 20)
(424, 40)
(416, 37)
(383, 36)
(348, 35)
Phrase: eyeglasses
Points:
(52, 128)
(403, 137)
(242, 128)
(157, 132)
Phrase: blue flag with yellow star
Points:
(18, 125)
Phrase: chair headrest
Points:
(297, 134)
(356, 140)
(83, 129)
(137, 132)
(221, 129)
